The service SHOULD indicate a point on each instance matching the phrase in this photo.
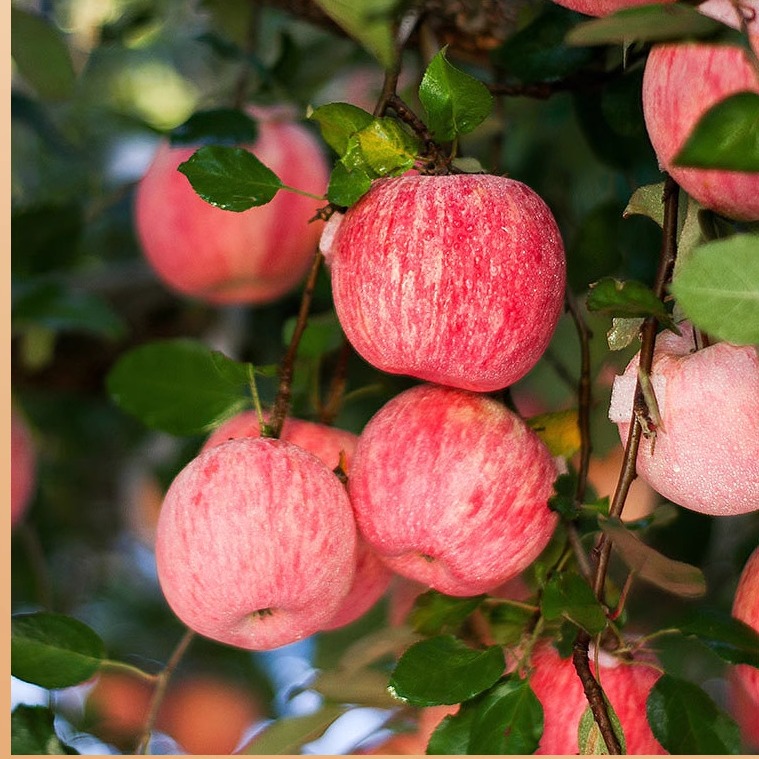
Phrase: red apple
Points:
(207, 714)
(672, 106)
(23, 467)
(451, 488)
(744, 679)
(256, 543)
(556, 684)
(706, 451)
(371, 577)
(457, 280)
(224, 257)
(604, 7)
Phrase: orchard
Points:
(385, 377)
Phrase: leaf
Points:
(563, 499)
(367, 687)
(451, 736)
(54, 650)
(649, 565)
(508, 622)
(726, 136)
(218, 126)
(434, 613)
(456, 103)
(62, 310)
(386, 147)
(647, 201)
(538, 52)
(347, 186)
(627, 298)
(323, 334)
(443, 670)
(370, 22)
(179, 386)
(338, 122)
(589, 737)
(717, 288)
(648, 23)
(623, 332)
(559, 430)
(33, 732)
(568, 595)
(730, 638)
(686, 721)
(286, 736)
(230, 178)
(508, 720)
(41, 55)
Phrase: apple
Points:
(206, 714)
(672, 106)
(218, 256)
(705, 456)
(604, 7)
(457, 280)
(743, 678)
(558, 688)
(450, 488)
(372, 576)
(256, 543)
(23, 467)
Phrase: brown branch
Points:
(160, 691)
(284, 392)
(337, 385)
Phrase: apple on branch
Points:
(457, 279)
(451, 489)
(219, 256)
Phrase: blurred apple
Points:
(23, 467)
(604, 7)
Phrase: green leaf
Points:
(456, 103)
(647, 201)
(508, 719)
(370, 22)
(367, 687)
(563, 499)
(648, 23)
(508, 622)
(734, 641)
(589, 738)
(726, 136)
(33, 732)
(41, 55)
(538, 52)
(559, 430)
(686, 721)
(286, 736)
(179, 386)
(717, 288)
(623, 332)
(323, 334)
(451, 736)
(59, 309)
(338, 122)
(444, 670)
(219, 126)
(230, 178)
(347, 186)
(54, 650)
(649, 565)
(627, 298)
(386, 147)
(568, 595)
(434, 613)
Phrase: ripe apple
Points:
(556, 684)
(206, 714)
(457, 280)
(705, 456)
(604, 7)
(220, 256)
(256, 543)
(672, 107)
(372, 576)
(23, 467)
(744, 679)
(450, 488)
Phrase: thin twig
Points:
(337, 385)
(284, 392)
(160, 691)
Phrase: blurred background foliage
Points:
(96, 84)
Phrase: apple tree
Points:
(385, 376)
